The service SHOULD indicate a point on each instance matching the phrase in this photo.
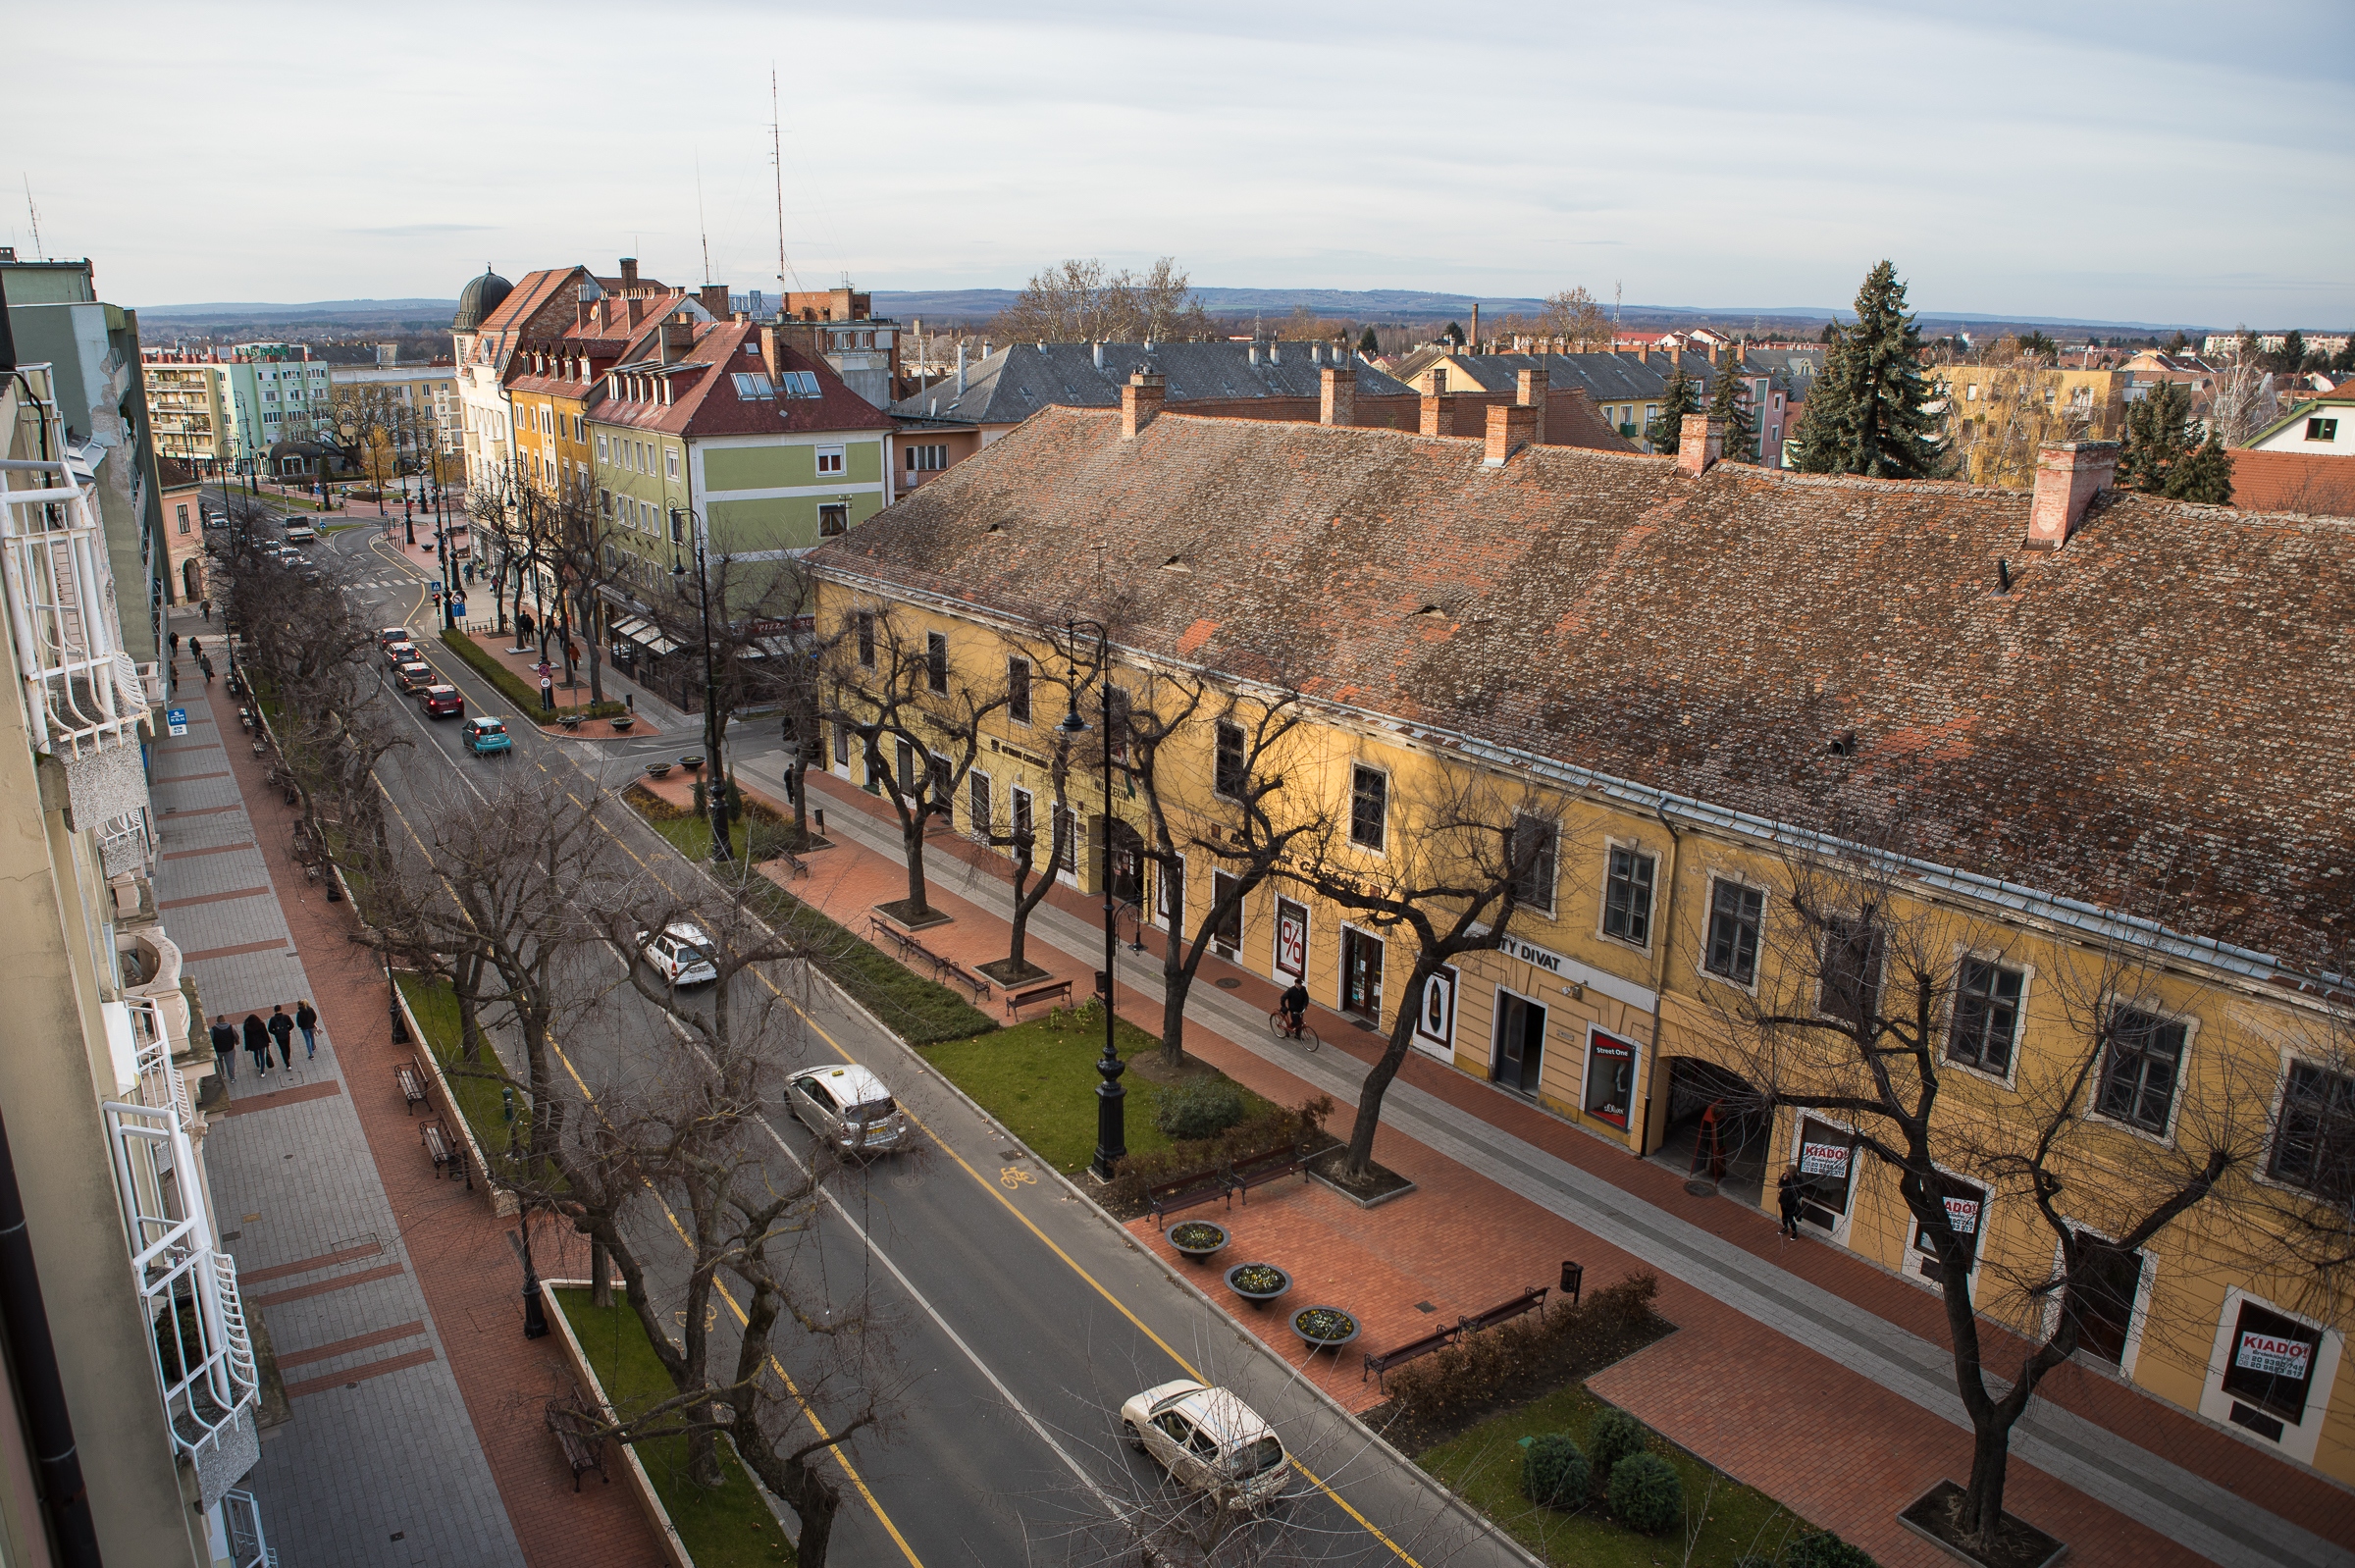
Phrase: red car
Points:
(444, 701)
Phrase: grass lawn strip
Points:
(1482, 1466)
(724, 1527)
(512, 686)
(435, 1007)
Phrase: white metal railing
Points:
(161, 1085)
(198, 1343)
(81, 689)
(247, 1546)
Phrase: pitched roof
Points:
(1016, 381)
(2302, 409)
(2314, 482)
(705, 397)
(2147, 714)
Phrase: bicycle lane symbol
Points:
(1014, 1176)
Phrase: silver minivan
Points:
(848, 1106)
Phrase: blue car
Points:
(484, 736)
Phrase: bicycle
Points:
(1282, 1028)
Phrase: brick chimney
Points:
(1702, 443)
(1511, 427)
(1439, 416)
(629, 272)
(2069, 475)
(1474, 343)
(1337, 395)
(714, 298)
(1529, 391)
(1140, 401)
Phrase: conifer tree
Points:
(1677, 400)
(1368, 344)
(2293, 352)
(1864, 414)
(1727, 404)
(2164, 457)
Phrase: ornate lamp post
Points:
(1112, 1108)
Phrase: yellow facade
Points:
(1997, 415)
(1633, 1027)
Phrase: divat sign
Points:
(1546, 959)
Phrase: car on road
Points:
(1208, 1440)
(681, 953)
(485, 737)
(301, 534)
(415, 678)
(848, 1106)
(443, 701)
(399, 654)
(390, 635)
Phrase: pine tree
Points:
(2179, 343)
(2293, 352)
(1864, 414)
(2164, 457)
(1368, 344)
(1727, 404)
(1677, 400)
(2205, 476)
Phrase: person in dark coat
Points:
(207, 666)
(224, 1047)
(281, 1029)
(257, 1041)
(1786, 1200)
(306, 1018)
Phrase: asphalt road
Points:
(1015, 1317)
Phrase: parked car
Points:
(415, 678)
(443, 701)
(485, 736)
(848, 1106)
(1208, 1440)
(680, 954)
(399, 654)
(301, 534)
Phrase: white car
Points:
(300, 533)
(681, 953)
(849, 1107)
(1209, 1440)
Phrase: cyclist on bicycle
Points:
(1294, 1005)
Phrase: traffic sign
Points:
(433, 587)
(457, 606)
(177, 720)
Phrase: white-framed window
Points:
(829, 459)
(1534, 843)
(923, 459)
(670, 462)
(977, 806)
(1227, 937)
(2109, 1303)
(1983, 1024)
(2271, 1372)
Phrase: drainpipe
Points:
(1660, 972)
(48, 1424)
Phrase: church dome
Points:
(481, 296)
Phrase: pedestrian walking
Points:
(281, 1029)
(207, 666)
(196, 649)
(523, 625)
(306, 1018)
(224, 1047)
(207, 607)
(175, 645)
(257, 1044)
(1786, 1199)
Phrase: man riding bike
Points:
(1294, 1005)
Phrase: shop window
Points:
(1986, 1016)
(1965, 1205)
(906, 757)
(2141, 1059)
(1292, 940)
(1627, 896)
(1361, 974)
(1369, 806)
(1226, 936)
(2269, 1369)
(2314, 1141)
(842, 745)
(943, 777)
(1434, 1018)
(1227, 771)
(1170, 898)
(1736, 917)
(1610, 1078)
(1827, 1158)
(1066, 841)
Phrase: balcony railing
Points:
(247, 1548)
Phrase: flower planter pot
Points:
(1252, 1281)
(1324, 1328)
(658, 769)
(1198, 1239)
(691, 763)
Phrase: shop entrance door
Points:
(1361, 976)
(1520, 1042)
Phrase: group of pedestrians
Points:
(260, 1034)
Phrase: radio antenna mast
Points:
(776, 156)
(702, 227)
(35, 213)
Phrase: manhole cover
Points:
(1702, 1190)
(1231, 983)
(907, 1177)
(1009, 1154)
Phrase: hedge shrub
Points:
(1527, 1351)
(1271, 1131)
(524, 694)
(1614, 1436)
(1553, 1473)
(1646, 1493)
(1200, 1108)
(1822, 1549)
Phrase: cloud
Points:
(418, 230)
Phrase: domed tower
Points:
(478, 299)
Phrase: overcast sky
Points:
(2159, 160)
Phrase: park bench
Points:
(571, 721)
(945, 971)
(409, 1078)
(1531, 1300)
(1259, 1175)
(578, 1434)
(1053, 990)
(884, 932)
(441, 1147)
(1188, 1192)
(1378, 1364)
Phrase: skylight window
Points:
(801, 384)
(754, 384)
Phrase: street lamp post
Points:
(1112, 1128)
(715, 792)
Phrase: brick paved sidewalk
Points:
(392, 1298)
(1508, 1191)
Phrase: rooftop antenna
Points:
(776, 157)
(1617, 290)
(35, 213)
(701, 227)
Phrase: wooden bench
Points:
(1054, 990)
(1191, 1193)
(1259, 1175)
(409, 1078)
(1378, 1364)
(578, 1434)
(946, 970)
(441, 1147)
(883, 932)
(1530, 1300)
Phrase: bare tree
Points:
(1078, 302)
(2242, 400)
(367, 417)
(1578, 317)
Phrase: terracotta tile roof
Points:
(2164, 711)
(704, 400)
(2293, 481)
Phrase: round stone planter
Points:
(1244, 1277)
(658, 769)
(691, 763)
(1198, 1239)
(1324, 1328)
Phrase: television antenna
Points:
(35, 213)
(776, 157)
(702, 227)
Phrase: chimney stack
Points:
(1701, 444)
(1337, 395)
(1439, 416)
(629, 272)
(1511, 427)
(961, 367)
(2069, 475)
(1140, 401)
(714, 298)
(1529, 391)
(1474, 345)
(1099, 348)
(1644, 354)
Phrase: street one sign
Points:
(178, 719)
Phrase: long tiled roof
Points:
(1014, 382)
(2164, 711)
(704, 400)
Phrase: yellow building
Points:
(1675, 693)
(1996, 416)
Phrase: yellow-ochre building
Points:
(2102, 739)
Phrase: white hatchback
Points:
(1209, 1440)
(681, 953)
(848, 1106)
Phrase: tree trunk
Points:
(1377, 1080)
(597, 683)
(470, 1024)
(911, 839)
(1982, 1514)
(601, 1273)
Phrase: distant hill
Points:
(356, 315)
